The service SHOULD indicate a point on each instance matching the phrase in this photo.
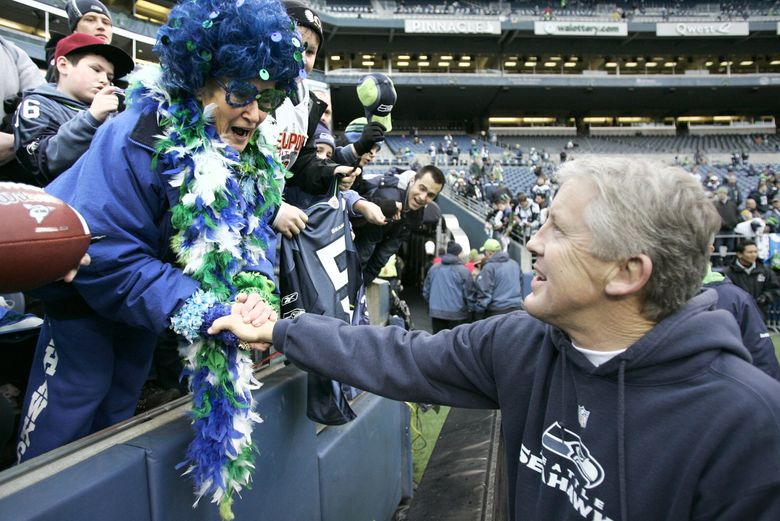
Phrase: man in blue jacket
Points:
(498, 289)
(755, 335)
(448, 289)
(623, 393)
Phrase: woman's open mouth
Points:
(241, 132)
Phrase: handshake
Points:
(252, 320)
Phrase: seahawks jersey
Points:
(320, 273)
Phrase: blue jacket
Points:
(755, 335)
(498, 284)
(132, 277)
(680, 426)
(448, 289)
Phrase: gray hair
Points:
(644, 207)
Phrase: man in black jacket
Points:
(754, 277)
(376, 244)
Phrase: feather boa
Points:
(222, 225)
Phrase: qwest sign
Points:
(699, 29)
(453, 26)
(581, 28)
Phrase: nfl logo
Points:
(582, 415)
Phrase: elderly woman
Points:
(183, 191)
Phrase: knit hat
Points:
(491, 245)
(355, 129)
(323, 135)
(76, 9)
(376, 93)
(453, 248)
(84, 43)
(304, 17)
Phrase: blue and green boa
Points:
(222, 228)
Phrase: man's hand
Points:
(104, 103)
(6, 147)
(347, 176)
(373, 133)
(290, 220)
(370, 211)
(259, 338)
(85, 260)
(253, 309)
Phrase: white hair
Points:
(645, 207)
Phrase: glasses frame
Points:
(268, 100)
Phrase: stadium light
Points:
(555, 58)
(630, 64)
(21, 27)
(150, 10)
(550, 64)
(404, 57)
(335, 58)
(651, 64)
(443, 64)
(510, 64)
(465, 58)
(530, 64)
(726, 63)
(670, 64)
(368, 63)
(610, 65)
(423, 57)
(464, 64)
(745, 63)
(402, 64)
(708, 63)
(446, 58)
(774, 62)
(423, 64)
(570, 64)
(368, 56)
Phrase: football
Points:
(41, 237)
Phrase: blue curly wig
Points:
(236, 39)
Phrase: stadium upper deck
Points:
(470, 61)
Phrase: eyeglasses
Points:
(241, 93)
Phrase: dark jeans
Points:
(439, 324)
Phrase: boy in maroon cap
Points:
(54, 124)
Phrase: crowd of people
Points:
(230, 218)
(192, 175)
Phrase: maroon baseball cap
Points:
(85, 43)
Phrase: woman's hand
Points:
(290, 220)
(258, 338)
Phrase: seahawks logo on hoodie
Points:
(568, 444)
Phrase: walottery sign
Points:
(700, 29)
(581, 28)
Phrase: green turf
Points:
(425, 431)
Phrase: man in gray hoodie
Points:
(54, 124)
(19, 74)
